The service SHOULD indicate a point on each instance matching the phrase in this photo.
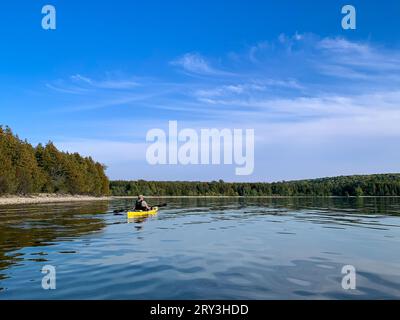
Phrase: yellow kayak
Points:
(138, 214)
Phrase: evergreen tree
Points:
(25, 169)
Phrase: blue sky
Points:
(323, 101)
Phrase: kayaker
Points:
(141, 204)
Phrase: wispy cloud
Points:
(341, 45)
(197, 64)
(104, 84)
(300, 75)
(65, 89)
(299, 92)
(290, 72)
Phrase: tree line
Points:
(25, 169)
(345, 186)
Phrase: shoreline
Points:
(59, 198)
(48, 198)
(254, 197)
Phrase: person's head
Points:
(140, 197)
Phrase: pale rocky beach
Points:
(48, 198)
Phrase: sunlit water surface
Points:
(203, 249)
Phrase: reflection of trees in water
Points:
(325, 210)
(361, 205)
(39, 225)
(328, 211)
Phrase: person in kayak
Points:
(141, 204)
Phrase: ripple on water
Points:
(199, 249)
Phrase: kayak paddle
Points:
(124, 210)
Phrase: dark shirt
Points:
(140, 205)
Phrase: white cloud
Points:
(65, 89)
(305, 96)
(105, 84)
(195, 63)
(341, 45)
(80, 78)
(227, 90)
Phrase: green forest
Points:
(361, 185)
(25, 169)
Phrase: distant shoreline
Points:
(257, 197)
(253, 197)
(60, 198)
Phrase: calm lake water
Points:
(203, 249)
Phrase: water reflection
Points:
(367, 205)
(43, 225)
(138, 222)
(332, 212)
(231, 248)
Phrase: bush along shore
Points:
(25, 169)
